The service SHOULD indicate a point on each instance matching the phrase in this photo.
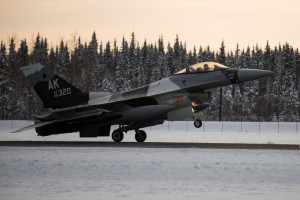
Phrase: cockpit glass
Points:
(202, 67)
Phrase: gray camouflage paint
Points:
(37, 73)
(164, 92)
(168, 90)
(173, 93)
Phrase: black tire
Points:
(117, 136)
(197, 123)
(140, 136)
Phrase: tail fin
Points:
(54, 91)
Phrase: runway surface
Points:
(149, 145)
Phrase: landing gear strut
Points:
(140, 136)
(197, 123)
(117, 135)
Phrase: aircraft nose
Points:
(252, 74)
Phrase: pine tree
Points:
(159, 70)
(101, 56)
(12, 60)
(222, 56)
(93, 66)
(222, 60)
(43, 51)
(35, 56)
(52, 59)
(176, 49)
(289, 90)
(143, 67)
(122, 74)
(193, 57)
(237, 63)
(6, 106)
(107, 84)
(210, 56)
(22, 60)
(199, 56)
(133, 63)
(78, 65)
(115, 63)
(169, 62)
(153, 65)
(23, 54)
(276, 86)
(140, 69)
(28, 102)
(183, 56)
(63, 67)
(296, 66)
(266, 85)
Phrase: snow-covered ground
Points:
(34, 173)
(76, 173)
(228, 132)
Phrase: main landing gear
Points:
(118, 135)
(197, 123)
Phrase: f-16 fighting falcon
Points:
(67, 109)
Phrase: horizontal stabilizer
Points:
(33, 126)
(41, 124)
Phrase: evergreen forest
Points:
(119, 66)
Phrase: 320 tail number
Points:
(62, 92)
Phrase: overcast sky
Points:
(198, 22)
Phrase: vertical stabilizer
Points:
(54, 91)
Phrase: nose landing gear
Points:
(197, 123)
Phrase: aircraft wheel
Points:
(140, 136)
(197, 123)
(117, 136)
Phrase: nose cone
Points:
(253, 74)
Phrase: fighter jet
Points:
(67, 109)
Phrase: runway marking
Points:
(149, 145)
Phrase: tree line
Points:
(114, 67)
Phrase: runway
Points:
(149, 145)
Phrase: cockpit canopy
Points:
(202, 67)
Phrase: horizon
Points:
(71, 45)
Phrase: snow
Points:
(219, 132)
(30, 173)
